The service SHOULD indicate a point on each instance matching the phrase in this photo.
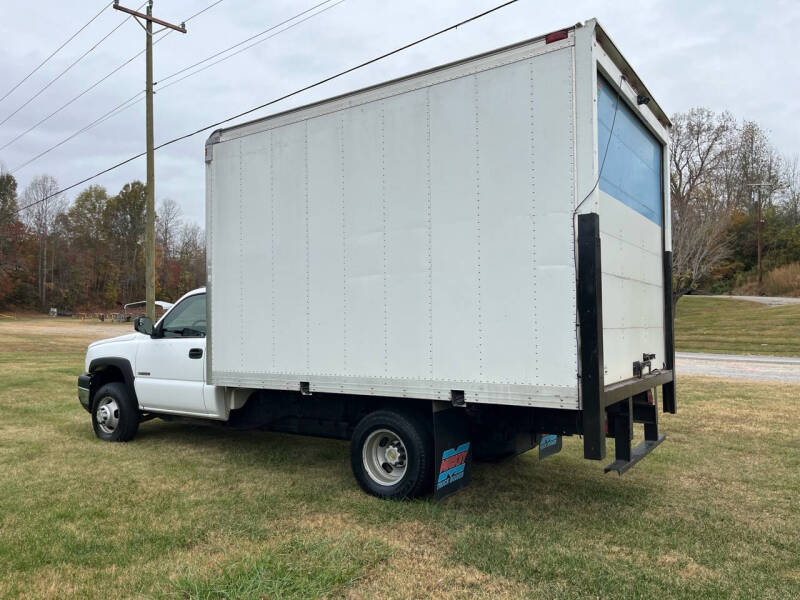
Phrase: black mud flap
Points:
(453, 449)
(549, 445)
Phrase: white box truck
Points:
(474, 259)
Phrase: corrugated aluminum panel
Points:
(406, 201)
(327, 341)
(414, 243)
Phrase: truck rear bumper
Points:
(84, 387)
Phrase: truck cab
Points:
(161, 365)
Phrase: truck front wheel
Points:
(391, 454)
(115, 416)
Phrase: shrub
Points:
(780, 281)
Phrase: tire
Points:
(391, 454)
(115, 415)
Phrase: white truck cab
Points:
(164, 363)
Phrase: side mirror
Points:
(143, 325)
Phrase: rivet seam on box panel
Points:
(476, 101)
(385, 261)
(429, 209)
(344, 245)
(534, 306)
(272, 241)
(308, 259)
(241, 259)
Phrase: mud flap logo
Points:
(453, 465)
(549, 445)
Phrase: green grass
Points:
(298, 568)
(719, 325)
(201, 512)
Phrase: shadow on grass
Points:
(564, 482)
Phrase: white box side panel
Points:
(407, 251)
(506, 206)
(226, 274)
(408, 246)
(326, 249)
(255, 264)
(553, 139)
(289, 185)
(363, 242)
(453, 156)
(633, 292)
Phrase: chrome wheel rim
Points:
(107, 414)
(384, 456)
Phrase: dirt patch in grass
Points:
(419, 566)
(63, 328)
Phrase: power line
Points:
(102, 79)
(84, 92)
(200, 12)
(130, 103)
(236, 45)
(56, 51)
(216, 62)
(64, 72)
(276, 100)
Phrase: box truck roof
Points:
(602, 38)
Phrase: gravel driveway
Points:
(768, 300)
(739, 366)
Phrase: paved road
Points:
(737, 366)
(768, 300)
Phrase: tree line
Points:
(734, 199)
(724, 173)
(88, 255)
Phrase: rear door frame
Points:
(595, 54)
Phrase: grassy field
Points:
(705, 324)
(200, 512)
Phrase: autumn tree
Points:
(168, 221)
(124, 222)
(703, 147)
(43, 205)
(88, 243)
(10, 234)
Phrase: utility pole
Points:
(758, 242)
(150, 229)
(759, 223)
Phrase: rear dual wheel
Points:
(391, 454)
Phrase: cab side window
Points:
(187, 319)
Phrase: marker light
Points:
(556, 36)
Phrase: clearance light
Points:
(556, 36)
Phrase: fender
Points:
(123, 364)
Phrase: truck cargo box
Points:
(439, 236)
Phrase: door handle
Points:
(196, 353)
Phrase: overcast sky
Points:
(731, 55)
